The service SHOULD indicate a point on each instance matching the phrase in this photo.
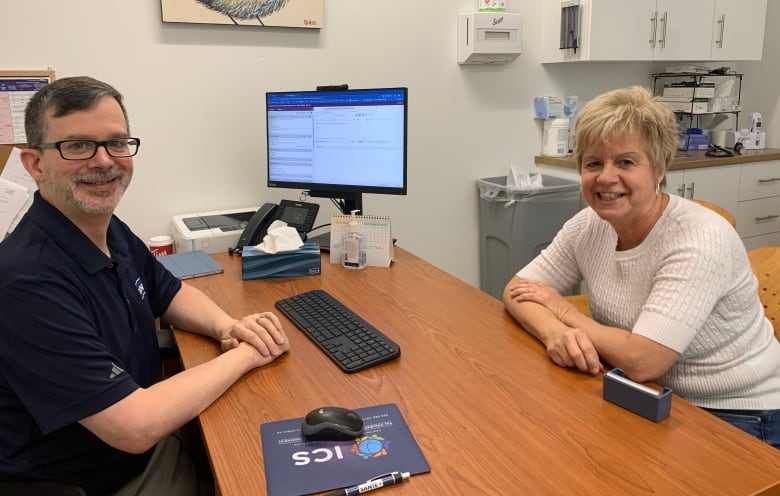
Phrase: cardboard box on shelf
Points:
(691, 107)
(694, 141)
(704, 90)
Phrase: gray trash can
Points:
(514, 226)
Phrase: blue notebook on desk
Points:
(295, 466)
(190, 264)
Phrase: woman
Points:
(670, 287)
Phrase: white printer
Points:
(211, 232)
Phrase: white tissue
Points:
(280, 237)
(518, 179)
(520, 182)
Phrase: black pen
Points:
(375, 483)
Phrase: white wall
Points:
(761, 84)
(195, 94)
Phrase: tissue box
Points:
(548, 107)
(694, 141)
(305, 261)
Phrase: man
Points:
(81, 399)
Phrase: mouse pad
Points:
(295, 466)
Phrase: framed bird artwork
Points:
(278, 13)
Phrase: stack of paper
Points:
(16, 193)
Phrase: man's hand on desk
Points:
(261, 330)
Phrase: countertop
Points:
(683, 159)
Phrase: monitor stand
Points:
(323, 239)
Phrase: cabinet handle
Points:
(691, 189)
(766, 217)
(722, 23)
(681, 190)
(653, 27)
(665, 20)
(770, 180)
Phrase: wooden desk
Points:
(492, 414)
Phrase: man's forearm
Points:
(140, 420)
(193, 311)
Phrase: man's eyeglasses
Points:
(79, 149)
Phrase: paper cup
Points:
(161, 245)
(718, 138)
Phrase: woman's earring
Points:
(657, 188)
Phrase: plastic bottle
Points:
(354, 256)
(555, 141)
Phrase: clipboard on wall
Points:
(16, 88)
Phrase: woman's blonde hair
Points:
(628, 112)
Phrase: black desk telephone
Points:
(299, 215)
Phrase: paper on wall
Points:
(15, 172)
(12, 199)
(17, 186)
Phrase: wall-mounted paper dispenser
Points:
(489, 37)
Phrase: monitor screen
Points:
(338, 144)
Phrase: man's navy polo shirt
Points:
(78, 334)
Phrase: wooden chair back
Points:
(765, 262)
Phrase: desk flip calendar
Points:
(378, 236)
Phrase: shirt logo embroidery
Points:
(139, 286)
(115, 370)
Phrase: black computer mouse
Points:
(331, 423)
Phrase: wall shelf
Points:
(729, 106)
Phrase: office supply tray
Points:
(655, 407)
(351, 342)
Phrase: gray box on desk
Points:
(655, 408)
(305, 261)
(510, 236)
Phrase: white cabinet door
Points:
(675, 183)
(637, 30)
(649, 30)
(738, 29)
(684, 29)
(758, 217)
(760, 180)
(610, 30)
(718, 185)
(620, 30)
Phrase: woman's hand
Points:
(261, 330)
(567, 346)
(527, 290)
(573, 348)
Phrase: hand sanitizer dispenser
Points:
(354, 256)
(489, 37)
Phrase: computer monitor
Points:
(338, 144)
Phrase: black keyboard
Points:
(348, 340)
